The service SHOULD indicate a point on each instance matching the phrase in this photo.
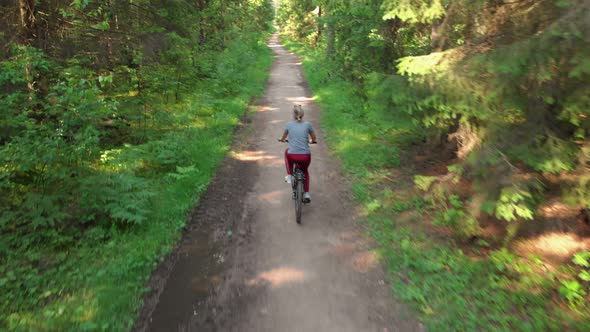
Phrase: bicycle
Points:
(297, 184)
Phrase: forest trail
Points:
(262, 271)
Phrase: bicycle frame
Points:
(297, 183)
(297, 174)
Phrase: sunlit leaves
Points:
(573, 291)
(582, 259)
(424, 182)
(414, 11)
(104, 25)
(423, 65)
(514, 203)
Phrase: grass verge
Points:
(96, 282)
(452, 291)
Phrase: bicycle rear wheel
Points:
(298, 201)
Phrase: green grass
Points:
(449, 290)
(96, 283)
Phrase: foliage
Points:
(414, 11)
(455, 217)
(575, 290)
(424, 182)
(453, 213)
(578, 193)
(106, 114)
(507, 81)
(514, 203)
(452, 290)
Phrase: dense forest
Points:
(507, 79)
(465, 125)
(113, 117)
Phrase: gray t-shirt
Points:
(298, 136)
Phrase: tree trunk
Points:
(393, 49)
(440, 32)
(438, 36)
(319, 35)
(331, 38)
(27, 20)
(27, 35)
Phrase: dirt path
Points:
(245, 265)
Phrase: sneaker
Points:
(289, 179)
(306, 197)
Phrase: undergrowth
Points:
(94, 279)
(452, 291)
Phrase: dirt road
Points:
(245, 265)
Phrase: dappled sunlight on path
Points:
(557, 247)
(356, 250)
(253, 156)
(273, 197)
(301, 99)
(278, 277)
(267, 109)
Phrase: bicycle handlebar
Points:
(287, 141)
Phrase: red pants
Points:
(304, 160)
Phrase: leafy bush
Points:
(575, 290)
(120, 197)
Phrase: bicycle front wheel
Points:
(298, 201)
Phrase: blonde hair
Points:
(298, 112)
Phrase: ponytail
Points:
(298, 112)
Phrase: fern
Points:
(120, 197)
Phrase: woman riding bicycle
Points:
(298, 151)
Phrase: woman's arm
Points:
(285, 133)
(313, 138)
